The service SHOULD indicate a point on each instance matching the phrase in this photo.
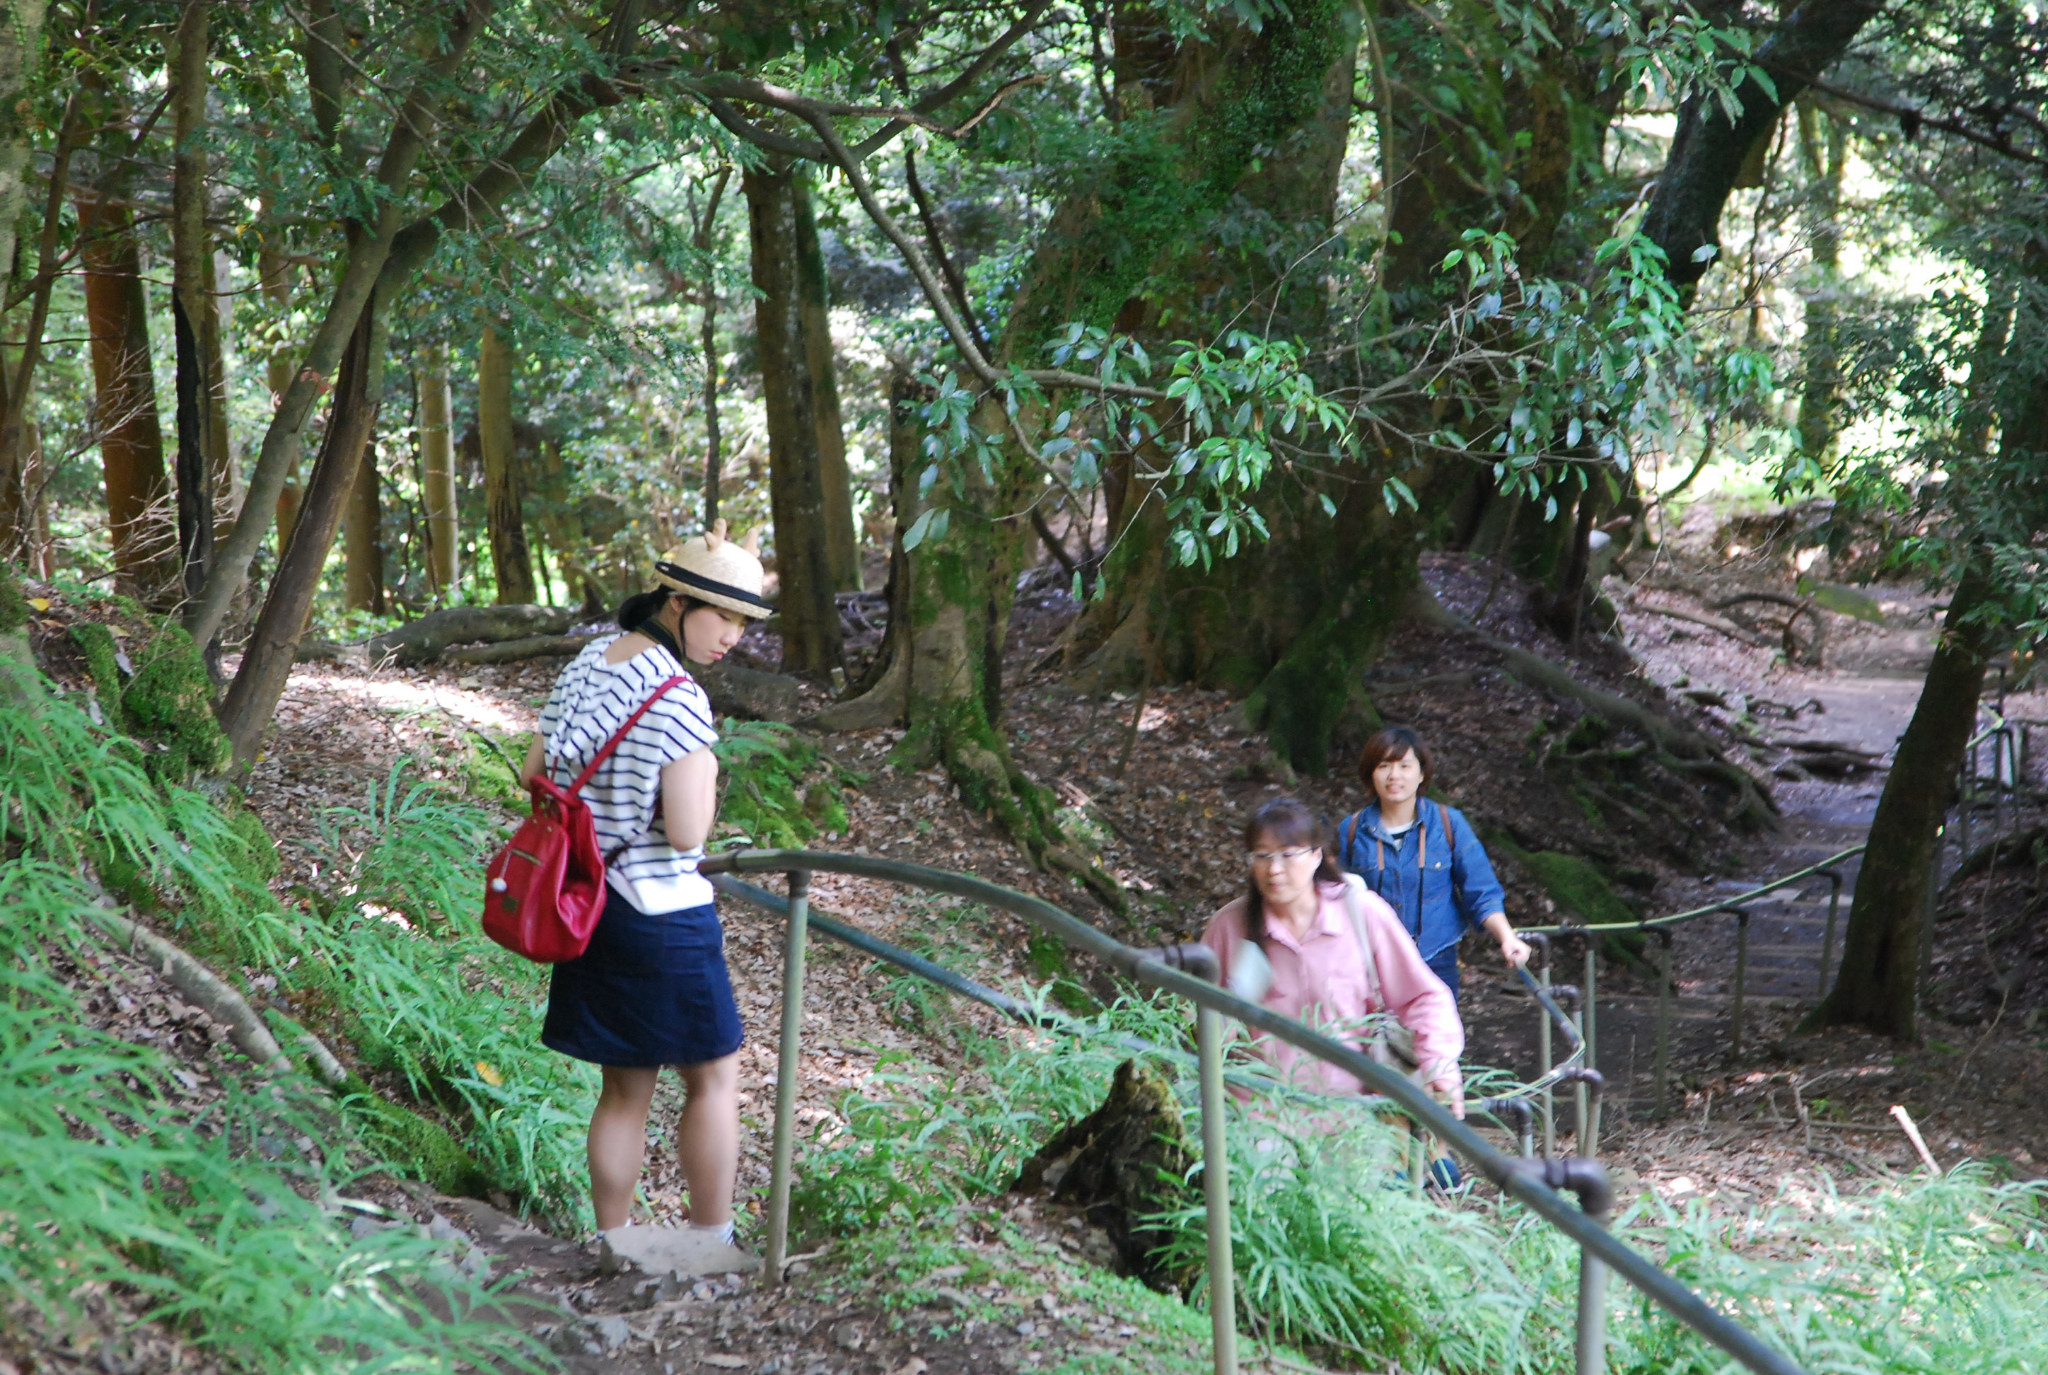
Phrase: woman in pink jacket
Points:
(1294, 933)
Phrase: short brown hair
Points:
(1392, 743)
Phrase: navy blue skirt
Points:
(651, 990)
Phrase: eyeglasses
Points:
(1288, 855)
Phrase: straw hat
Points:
(717, 570)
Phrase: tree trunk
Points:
(195, 319)
(124, 411)
(1709, 148)
(374, 246)
(267, 660)
(1287, 622)
(274, 272)
(1878, 986)
(511, 562)
(842, 547)
(796, 479)
(563, 521)
(21, 44)
(363, 538)
(1820, 348)
(21, 33)
(940, 667)
(437, 475)
(24, 475)
(215, 325)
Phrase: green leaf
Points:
(921, 528)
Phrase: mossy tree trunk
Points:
(797, 484)
(1257, 126)
(1237, 120)
(511, 560)
(842, 549)
(437, 475)
(939, 671)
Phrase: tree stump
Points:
(1126, 1161)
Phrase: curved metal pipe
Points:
(1541, 1198)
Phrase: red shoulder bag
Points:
(545, 890)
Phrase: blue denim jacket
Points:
(1458, 889)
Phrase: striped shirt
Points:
(591, 700)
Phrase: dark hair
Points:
(1392, 743)
(1289, 822)
(642, 607)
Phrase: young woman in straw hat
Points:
(652, 989)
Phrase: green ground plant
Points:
(231, 1228)
(777, 789)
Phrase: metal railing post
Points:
(1589, 1354)
(1543, 1052)
(788, 1065)
(1584, 1124)
(1741, 977)
(1588, 1179)
(1216, 1190)
(1827, 945)
(1663, 1078)
(1589, 999)
(1579, 1088)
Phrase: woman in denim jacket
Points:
(1422, 857)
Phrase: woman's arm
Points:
(536, 762)
(1480, 897)
(1419, 1001)
(689, 798)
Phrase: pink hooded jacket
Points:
(1321, 980)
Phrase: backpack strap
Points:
(619, 735)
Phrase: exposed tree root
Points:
(421, 1145)
(207, 989)
(1679, 747)
(884, 704)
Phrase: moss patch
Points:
(1579, 888)
(419, 1146)
(13, 605)
(96, 642)
(170, 703)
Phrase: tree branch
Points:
(1708, 149)
(1911, 120)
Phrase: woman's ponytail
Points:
(641, 607)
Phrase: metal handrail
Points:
(1533, 1183)
(1500, 1106)
(1662, 928)
(1679, 918)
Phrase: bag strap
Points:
(619, 735)
(1354, 906)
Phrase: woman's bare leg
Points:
(708, 1138)
(618, 1142)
